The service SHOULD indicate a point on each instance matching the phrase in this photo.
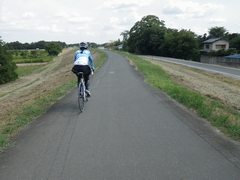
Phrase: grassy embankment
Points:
(226, 118)
(27, 113)
(30, 56)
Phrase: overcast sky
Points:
(102, 21)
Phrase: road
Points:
(128, 130)
(232, 72)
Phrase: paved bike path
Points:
(128, 130)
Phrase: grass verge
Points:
(100, 58)
(30, 56)
(226, 118)
(22, 116)
(25, 70)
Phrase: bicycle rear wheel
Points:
(81, 100)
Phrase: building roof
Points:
(235, 56)
(212, 40)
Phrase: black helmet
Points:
(83, 45)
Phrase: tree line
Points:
(8, 67)
(150, 36)
(34, 45)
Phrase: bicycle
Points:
(82, 95)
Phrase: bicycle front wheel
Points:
(81, 97)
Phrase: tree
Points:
(33, 45)
(53, 48)
(180, 44)
(15, 45)
(216, 32)
(146, 35)
(235, 41)
(40, 44)
(164, 49)
(201, 39)
(92, 45)
(125, 35)
(151, 40)
(7, 66)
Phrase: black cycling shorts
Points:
(79, 68)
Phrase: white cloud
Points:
(107, 28)
(52, 28)
(81, 28)
(7, 15)
(62, 14)
(189, 9)
(130, 5)
(101, 21)
(29, 15)
(213, 7)
(55, 28)
(80, 19)
(217, 20)
(114, 20)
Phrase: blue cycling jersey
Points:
(83, 57)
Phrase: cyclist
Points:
(83, 62)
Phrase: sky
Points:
(102, 21)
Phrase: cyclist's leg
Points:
(75, 69)
(87, 82)
(87, 85)
(87, 72)
(78, 80)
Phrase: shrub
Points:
(7, 66)
(53, 48)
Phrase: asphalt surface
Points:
(128, 130)
(228, 71)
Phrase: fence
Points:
(220, 60)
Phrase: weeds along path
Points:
(40, 82)
(216, 86)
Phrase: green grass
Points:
(100, 59)
(224, 117)
(31, 56)
(35, 108)
(25, 70)
(33, 60)
(23, 115)
(3, 141)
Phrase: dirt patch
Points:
(18, 93)
(31, 64)
(216, 86)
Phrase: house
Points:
(215, 44)
(101, 47)
(120, 46)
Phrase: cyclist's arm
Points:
(91, 61)
(75, 57)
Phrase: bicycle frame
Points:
(82, 97)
